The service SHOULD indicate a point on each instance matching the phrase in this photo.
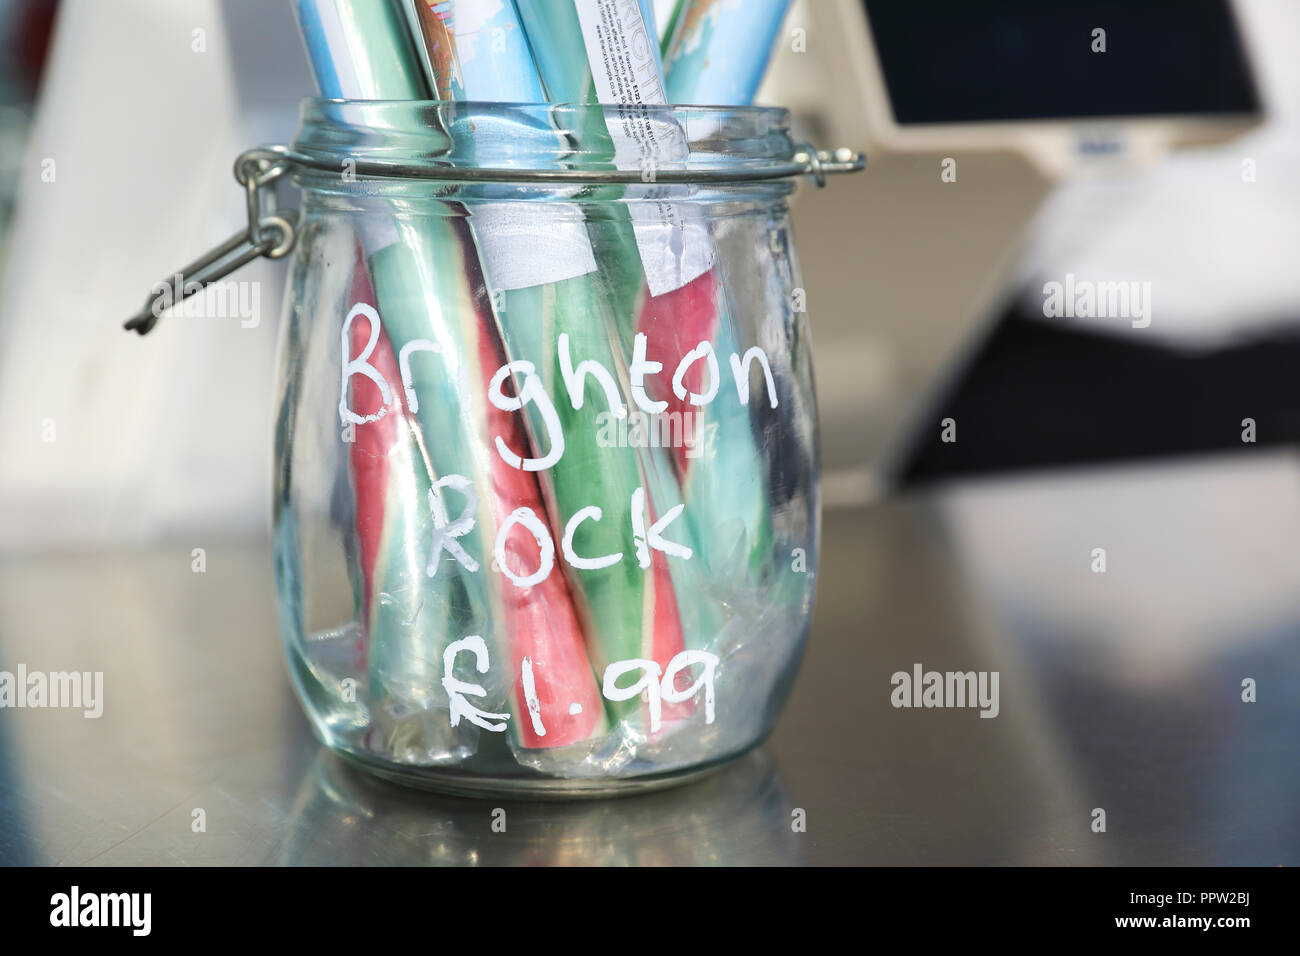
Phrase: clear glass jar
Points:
(536, 528)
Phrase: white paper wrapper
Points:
(674, 245)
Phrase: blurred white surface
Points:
(1219, 252)
(1195, 553)
(106, 436)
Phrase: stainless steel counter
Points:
(1119, 690)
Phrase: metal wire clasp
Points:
(269, 233)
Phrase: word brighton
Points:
(532, 389)
(35, 689)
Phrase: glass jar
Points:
(546, 508)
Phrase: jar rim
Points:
(313, 102)
(547, 142)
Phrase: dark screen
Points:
(947, 61)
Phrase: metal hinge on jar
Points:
(269, 233)
(272, 233)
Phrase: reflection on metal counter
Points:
(739, 816)
(1100, 705)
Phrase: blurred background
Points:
(976, 450)
(119, 127)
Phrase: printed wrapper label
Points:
(673, 242)
(525, 244)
